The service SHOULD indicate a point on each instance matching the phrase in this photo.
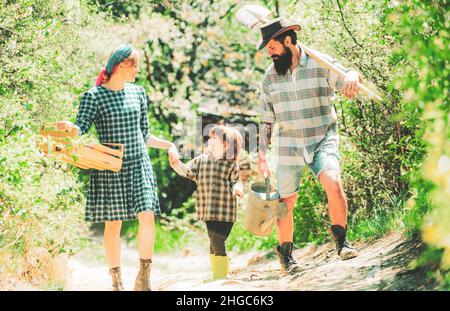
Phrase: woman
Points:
(119, 111)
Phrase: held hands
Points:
(175, 163)
(174, 157)
(350, 88)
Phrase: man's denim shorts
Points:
(288, 176)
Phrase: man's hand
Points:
(265, 133)
(350, 88)
(263, 166)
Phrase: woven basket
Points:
(92, 156)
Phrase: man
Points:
(296, 104)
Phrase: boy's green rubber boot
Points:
(212, 259)
(221, 268)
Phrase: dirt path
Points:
(382, 265)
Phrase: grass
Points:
(376, 225)
(53, 286)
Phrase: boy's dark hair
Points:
(289, 33)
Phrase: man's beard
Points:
(282, 62)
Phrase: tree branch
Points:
(345, 25)
(7, 30)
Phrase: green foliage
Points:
(379, 148)
(422, 29)
(310, 214)
(381, 144)
(195, 55)
(118, 8)
(430, 260)
(41, 200)
(173, 189)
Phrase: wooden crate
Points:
(92, 156)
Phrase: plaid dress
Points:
(215, 181)
(119, 117)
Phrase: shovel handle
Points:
(327, 65)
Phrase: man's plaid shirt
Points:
(300, 105)
(215, 181)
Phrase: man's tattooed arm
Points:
(265, 133)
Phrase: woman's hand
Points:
(68, 127)
(174, 162)
(65, 126)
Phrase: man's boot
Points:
(142, 282)
(284, 254)
(343, 247)
(116, 279)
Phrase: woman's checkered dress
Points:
(119, 117)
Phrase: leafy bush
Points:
(422, 28)
(43, 68)
(196, 55)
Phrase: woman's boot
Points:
(116, 279)
(142, 282)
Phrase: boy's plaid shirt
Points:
(215, 181)
(300, 104)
